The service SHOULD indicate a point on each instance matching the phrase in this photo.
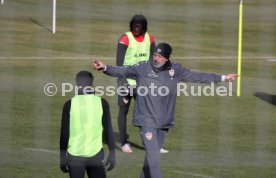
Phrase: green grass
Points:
(213, 136)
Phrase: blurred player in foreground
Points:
(84, 120)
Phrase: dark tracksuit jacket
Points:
(158, 111)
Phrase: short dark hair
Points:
(84, 78)
(139, 19)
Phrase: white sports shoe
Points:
(126, 148)
(163, 151)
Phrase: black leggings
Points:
(122, 120)
(124, 103)
(94, 166)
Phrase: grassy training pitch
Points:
(213, 137)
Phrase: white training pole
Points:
(54, 16)
(2, 1)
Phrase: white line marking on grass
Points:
(268, 58)
(42, 150)
(194, 174)
(271, 60)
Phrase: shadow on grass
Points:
(117, 139)
(39, 24)
(266, 97)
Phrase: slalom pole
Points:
(54, 16)
(240, 50)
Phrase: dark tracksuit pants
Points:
(153, 139)
(94, 166)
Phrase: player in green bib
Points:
(133, 47)
(84, 120)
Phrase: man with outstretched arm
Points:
(154, 113)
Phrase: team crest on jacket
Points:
(148, 135)
(171, 73)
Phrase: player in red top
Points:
(138, 31)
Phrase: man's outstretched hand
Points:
(231, 77)
(98, 65)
